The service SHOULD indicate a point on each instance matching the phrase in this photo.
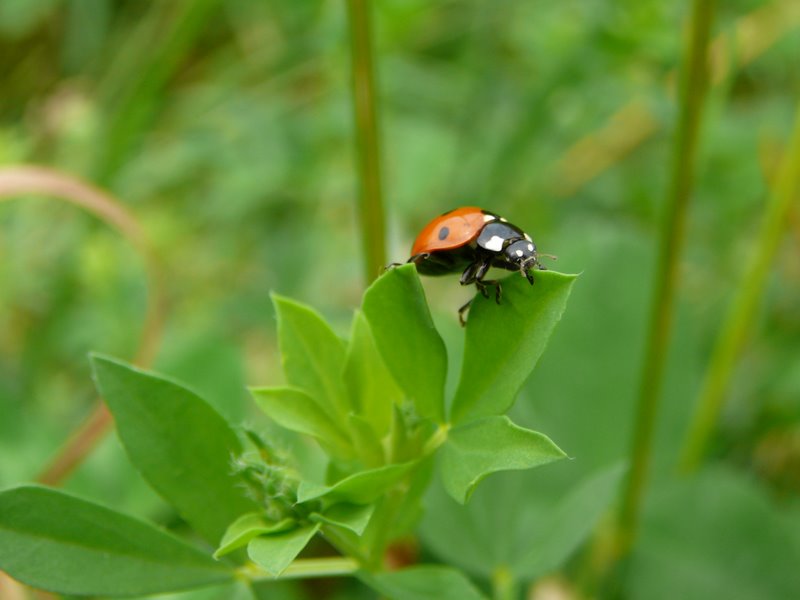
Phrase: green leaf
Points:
(717, 534)
(54, 541)
(503, 343)
(488, 445)
(360, 488)
(295, 410)
(411, 348)
(276, 552)
(313, 355)
(248, 526)
(354, 517)
(367, 444)
(181, 445)
(426, 582)
(497, 531)
(369, 382)
(215, 366)
(565, 526)
(238, 590)
(402, 447)
(579, 381)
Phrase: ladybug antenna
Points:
(529, 263)
(532, 262)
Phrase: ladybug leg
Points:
(529, 275)
(484, 268)
(461, 312)
(470, 274)
(498, 289)
(414, 259)
(481, 284)
(475, 274)
(482, 287)
(480, 272)
(417, 258)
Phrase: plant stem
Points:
(735, 329)
(304, 568)
(365, 107)
(381, 525)
(340, 541)
(504, 584)
(22, 180)
(438, 438)
(692, 94)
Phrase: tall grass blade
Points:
(365, 106)
(741, 315)
(694, 82)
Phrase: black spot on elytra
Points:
(444, 232)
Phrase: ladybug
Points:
(471, 240)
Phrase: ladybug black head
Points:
(522, 254)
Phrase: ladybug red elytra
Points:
(471, 240)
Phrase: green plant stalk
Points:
(342, 542)
(736, 327)
(379, 538)
(365, 107)
(504, 585)
(303, 568)
(692, 94)
(435, 441)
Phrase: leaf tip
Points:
(101, 363)
(276, 297)
(98, 358)
(307, 490)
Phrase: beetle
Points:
(471, 240)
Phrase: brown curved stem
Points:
(21, 180)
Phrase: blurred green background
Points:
(226, 128)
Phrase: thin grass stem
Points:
(693, 88)
(365, 107)
(304, 568)
(741, 315)
(504, 584)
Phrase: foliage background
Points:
(226, 128)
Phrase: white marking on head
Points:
(502, 220)
(495, 243)
(527, 237)
(487, 218)
(530, 247)
(518, 252)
